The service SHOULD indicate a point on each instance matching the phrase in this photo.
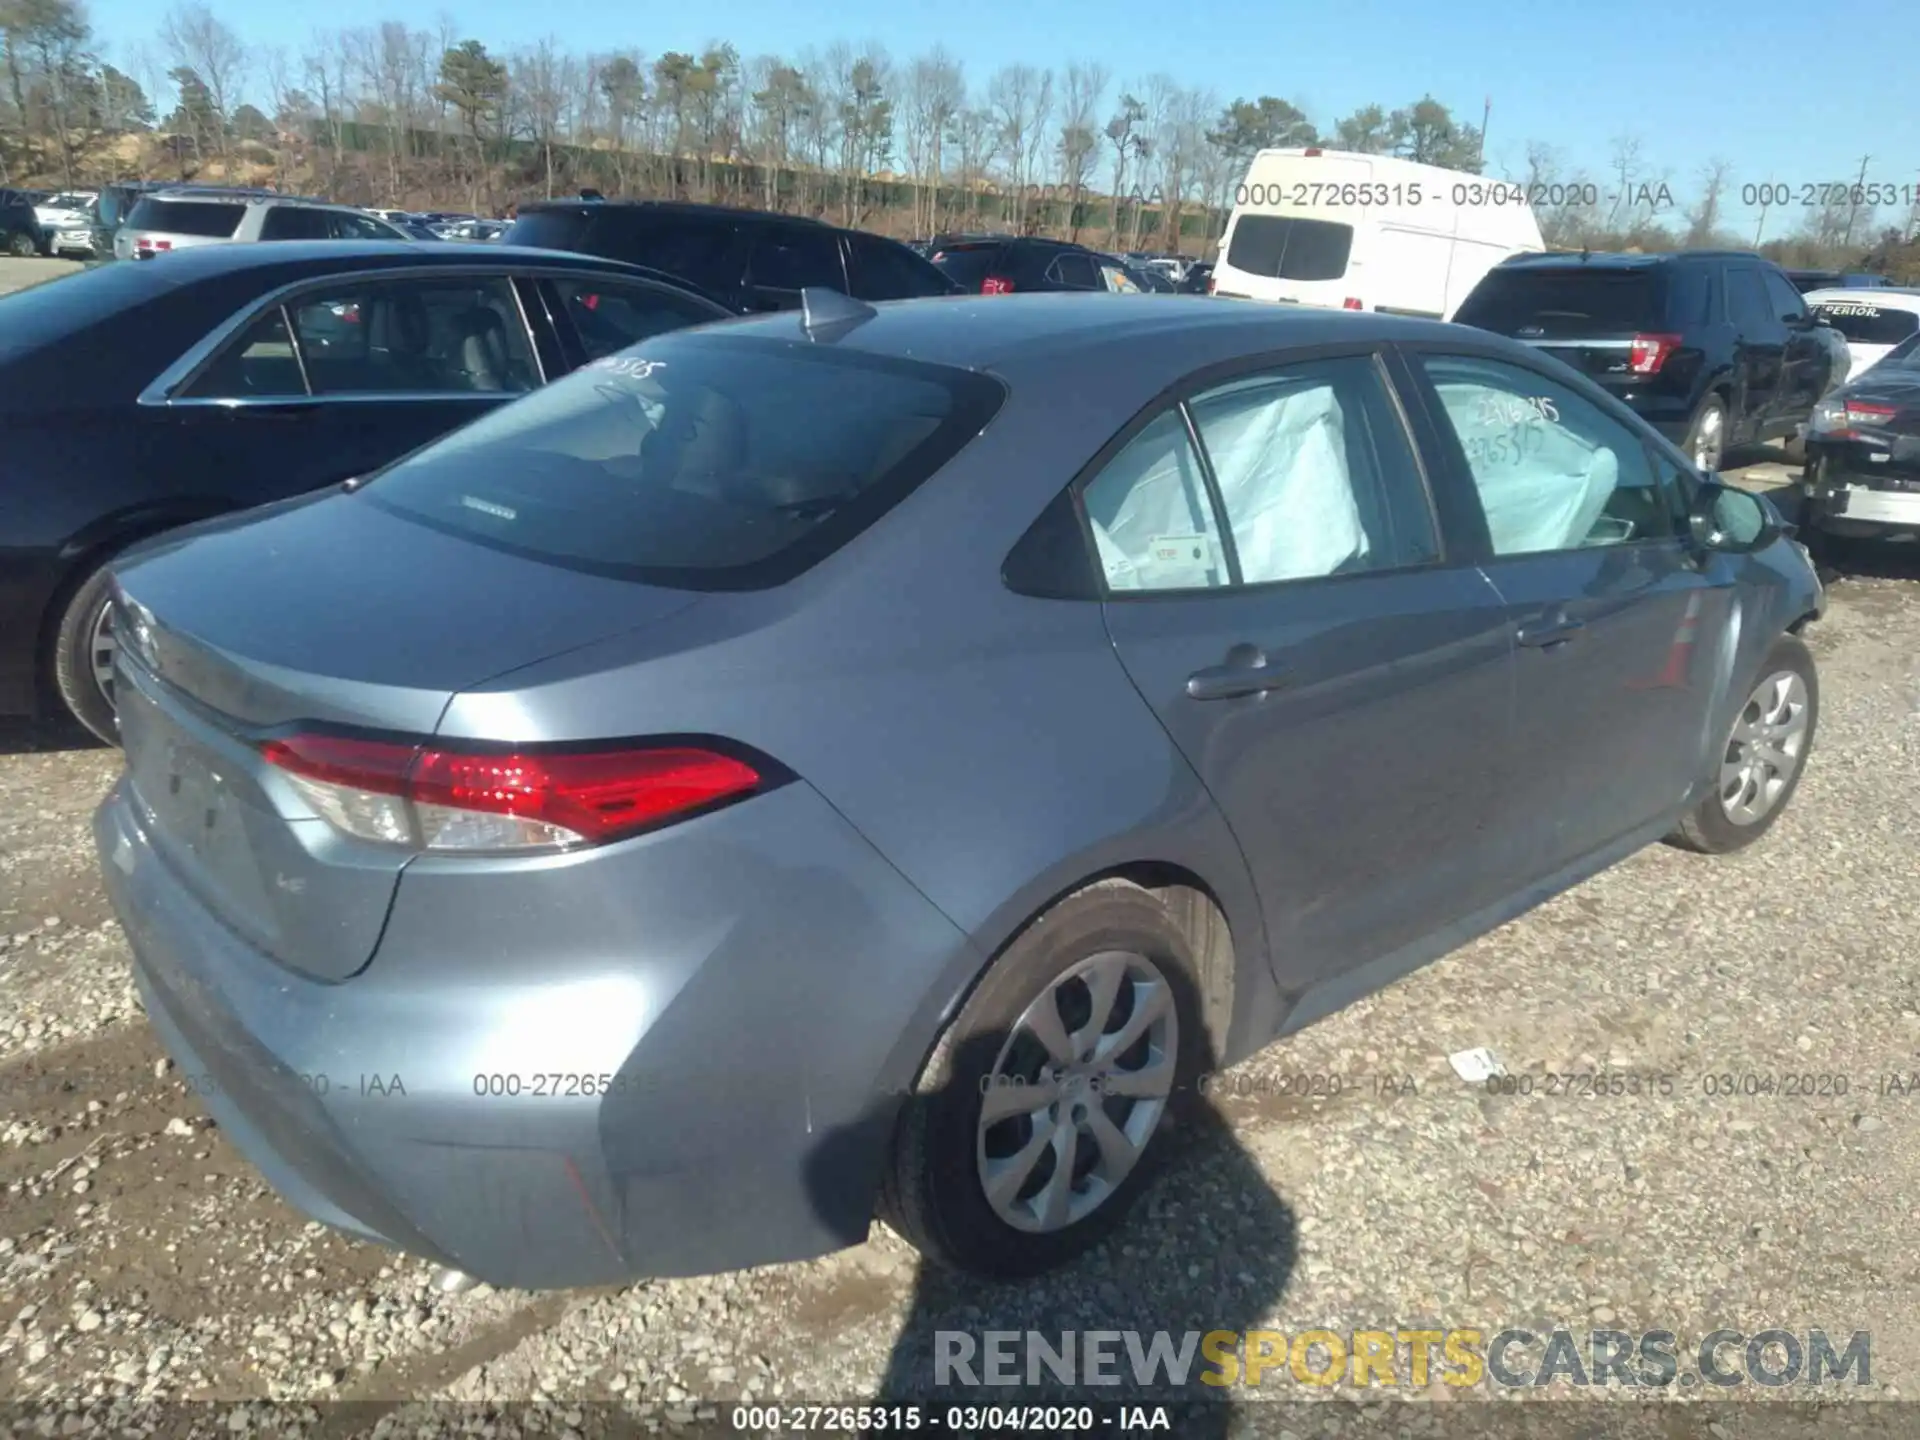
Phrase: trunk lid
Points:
(236, 628)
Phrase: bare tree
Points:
(935, 91)
(542, 78)
(1080, 136)
(1019, 98)
(1125, 133)
(1703, 220)
(199, 41)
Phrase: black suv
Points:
(748, 260)
(1715, 348)
(1005, 264)
(20, 232)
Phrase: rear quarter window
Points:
(211, 220)
(968, 265)
(698, 461)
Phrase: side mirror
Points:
(1732, 521)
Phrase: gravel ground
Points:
(141, 1257)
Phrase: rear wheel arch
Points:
(97, 547)
(1189, 902)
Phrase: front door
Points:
(1616, 620)
(1279, 593)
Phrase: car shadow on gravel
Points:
(1206, 1246)
(32, 737)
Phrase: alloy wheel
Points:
(1077, 1092)
(100, 651)
(1768, 744)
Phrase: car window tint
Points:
(294, 222)
(460, 336)
(883, 270)
(969, 266)
(348, 226)
(1316, 474)
(609, 317)
(1561, 302)
(1152, 519)
(259, 363)
(1786, 301)
(1290, 247)
(700, 460)
(203, 218)
(792, 258)
(1075, 270)
(1553, 471)
(1747, 303)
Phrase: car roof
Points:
(670, 207)
(1886, 297)
(1617, 260)
(208, 262)
(1038, 332)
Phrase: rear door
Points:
(1807, 361)
(1615, 618)
(1760, 349)
(786, 259)
(1280, 594)
(350, 374)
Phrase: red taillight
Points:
(592, 302)
(996, 285)
(1352, 302)
(152, 246)
(1650, 352)
(1861, 412)
(1311, 150)
(1211, 283)
(447, 799)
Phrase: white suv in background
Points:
(68, 221)
(181, 218)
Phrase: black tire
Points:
(21, 245)
(932, 1193)
(1707, 829)
(73, 659)
(1712, 406)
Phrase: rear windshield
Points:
(1563, 302)
(702, 462)
(967, 265)
(214, 220)
(1290, 247)
(1866, 324)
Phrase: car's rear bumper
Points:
(692, 1066)
(1838, 494)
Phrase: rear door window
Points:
(1747, 303)
(703, 461)
(1786, 301)
(207, 219)
(415, 337)
(1570, 302)
(345, 225)
(1868, 324)
(1290, 247)
(699, 249)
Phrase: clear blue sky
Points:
(1738, 84)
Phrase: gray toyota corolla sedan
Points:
(877, 761)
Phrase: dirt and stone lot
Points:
(140, 1256)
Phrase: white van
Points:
(1368, 232)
